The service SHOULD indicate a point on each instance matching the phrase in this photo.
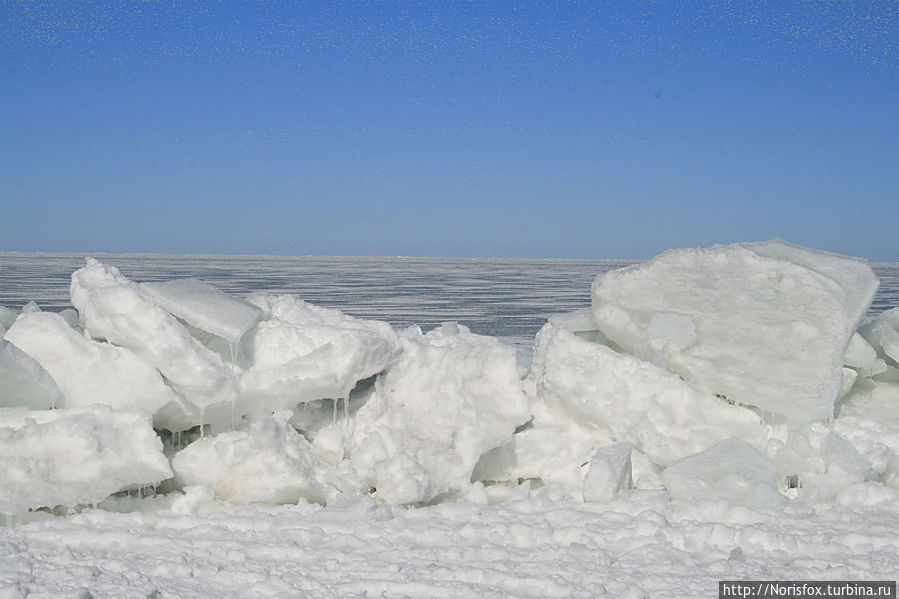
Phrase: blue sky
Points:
(585, 130)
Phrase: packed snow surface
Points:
(718, 413)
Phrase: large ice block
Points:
(450, 396)
(24, 382)
(88, 371)
(633, 400)
(303, 352)
(732, 470)
(268, 463)
(205, 307)
(79, 456)
(114, 309)
(763, 324)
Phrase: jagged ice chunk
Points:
(88, 371)
(763, 324)
(205, 307)
(24, 382)
(72, 457)
(633, 400)
(732, 470)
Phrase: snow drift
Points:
(740, 372)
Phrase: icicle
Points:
(233, 349)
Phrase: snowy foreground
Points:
(718, 414)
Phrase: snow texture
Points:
(71, 457)
(640, 544)
(302, 353)
(269, 463)
(450, 397)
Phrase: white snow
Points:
(301, 353)
(269, 463)
(80, 456)
(450, 397)
(87, 371)
(763, 324)
(528, 548)
(114, 309)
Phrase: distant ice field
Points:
(505, 298)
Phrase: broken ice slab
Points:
(24, 382)
(448, 398)
(7, 317)
(883, 335)
(821, 462)
(873, 399)
(302, 353)
(731, 470)
(205, 307)
(268, 463)
(860, 354)
(73, 457)
(762, 324)
(609, 473)
(117, 310)
(88, 371)
(632, 400)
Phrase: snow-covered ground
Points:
(639, 545)
(718, 414)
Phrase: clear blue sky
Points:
(544, 129)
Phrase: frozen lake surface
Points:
(505, 298)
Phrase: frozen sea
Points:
(532, 545)
(505, 298)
